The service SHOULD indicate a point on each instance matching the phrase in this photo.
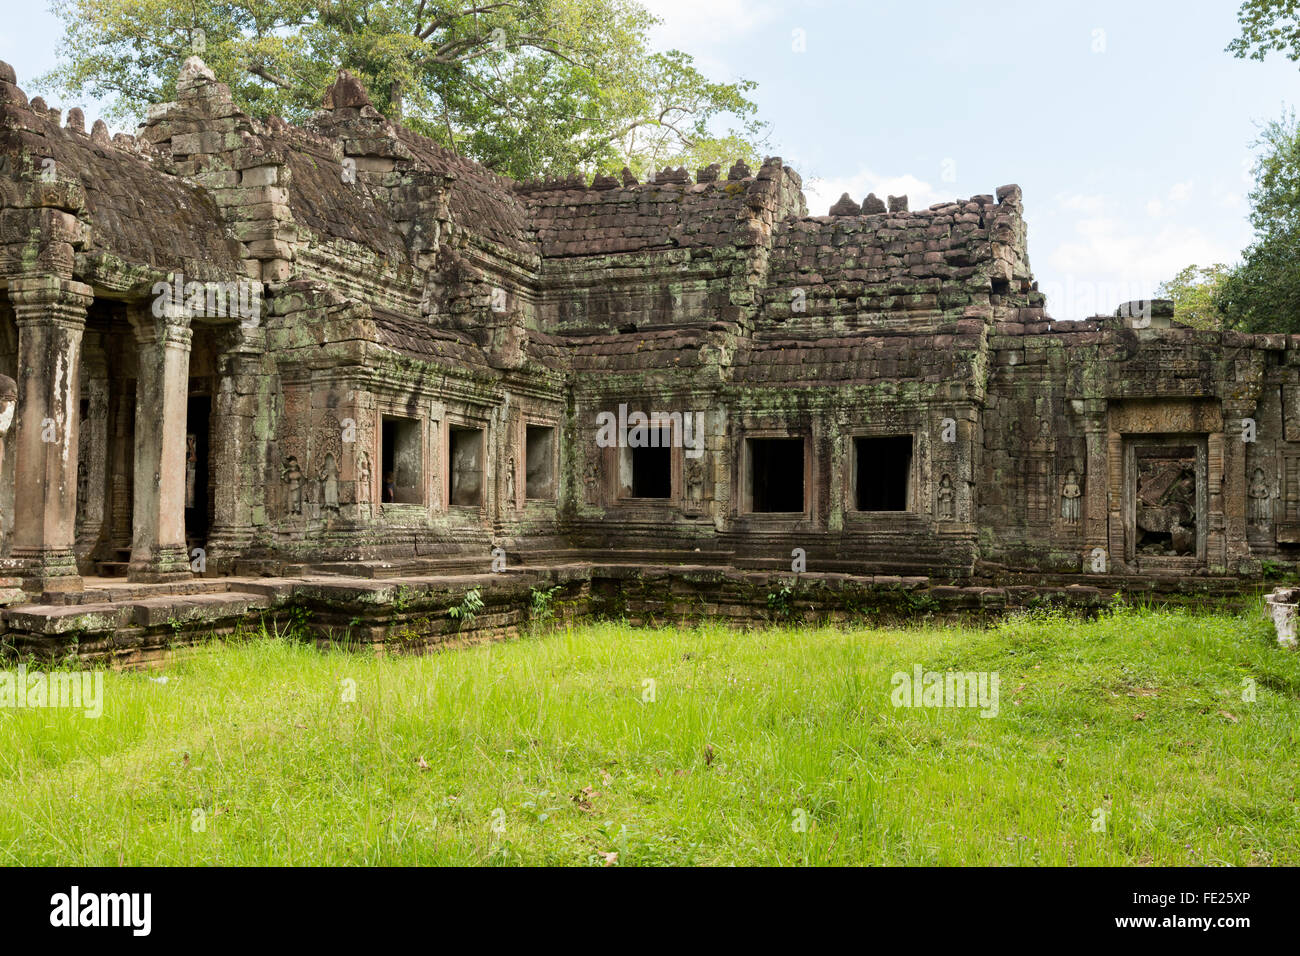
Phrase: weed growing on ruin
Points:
(541, 609)
(468, 608)
(780, 607)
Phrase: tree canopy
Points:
(1268, 26)
(1262, 293)
(527, 88)
(1193, 292)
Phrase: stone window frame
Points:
(389, 408)
(452, 422)
(850, 479)
(623, 454)
(744, 505)
(539, 421)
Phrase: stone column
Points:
(94, 450)
(122, 457)
(11, 591)
(1222, 496)
(239, 484)
(1116, 479)
(1096, 512)
(51, 317)
(158, 527)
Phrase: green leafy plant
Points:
(468, 608)
(542, 606)
(779, 606)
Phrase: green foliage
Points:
(541, 608)
(1268, 26)
(780, 603)
(1263, 293)
(401, 598)
(543, 87)
(468, 608)
(1272, 570)
(1193, 291)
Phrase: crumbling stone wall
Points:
(407, 296)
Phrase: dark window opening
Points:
(776, 475)
(466, 479)
(883, 470)
(400, 456)
(1001, 286)
(652, 472)
(539, 462)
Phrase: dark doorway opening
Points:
(652, 472)
(883, 471)
(776, 475)
(197, 486)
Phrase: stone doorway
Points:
(1165, 501)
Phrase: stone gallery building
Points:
(254, 349)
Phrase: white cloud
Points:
(824, 192)
(691, 25)
(1179, 192)
(1130, 251)
(1111, 260)
(1090, 203)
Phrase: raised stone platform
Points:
(389, 608)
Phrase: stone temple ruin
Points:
(341, 369)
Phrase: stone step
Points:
(104, 616)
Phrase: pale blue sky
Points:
(1126, 123)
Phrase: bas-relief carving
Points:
(363, 480)
(1166, 416)
(946, 497)
(1071, 495)
(1261, 503)
(291, 474)
(694, 477)
(329, 484)
(591, 476)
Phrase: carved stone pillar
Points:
(123, 455)
(237, 476)
(158, 528)
(11, 591)
(51, 317)
(1096, 481)
(1117, 552)
(1232, 485)
(92, 463)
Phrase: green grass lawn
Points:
(546, 751)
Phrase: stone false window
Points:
(774, 478)
(882, 473)
(539, 462)
(465, 477)
(402, 459)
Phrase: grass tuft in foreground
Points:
(1120, 740)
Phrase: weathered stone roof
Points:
(134, 210)
(320, 200)
(482, 202)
